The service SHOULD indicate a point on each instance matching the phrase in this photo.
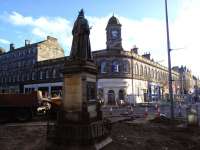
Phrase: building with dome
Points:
(125, 75)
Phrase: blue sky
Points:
(143, 24)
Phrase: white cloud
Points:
(3, 41)
(43, 26)
(185, 33)
(98, 32)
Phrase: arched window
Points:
(152, 73)
(111, 97)
(158, 76)
(126, 66)
(104, 67)
(155, 74)
(149, 72)
(115, 66)
(122, 94)
(145, 71)
(141, 70)
(136, 69)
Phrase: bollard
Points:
(111, 110)
(192, 117)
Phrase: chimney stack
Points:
(12, 47)
(147, 56)
(134, 49)
(27, 42)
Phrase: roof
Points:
(113, 21)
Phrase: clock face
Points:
(115, 34)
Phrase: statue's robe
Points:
(81, 43)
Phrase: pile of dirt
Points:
(153, 136)
(167, 121)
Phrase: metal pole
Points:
(169, 63)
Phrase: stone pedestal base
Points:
(94, 135)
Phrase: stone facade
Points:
(187, 81)
(22, 66)
(49, 49)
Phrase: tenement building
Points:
(33, 66)
(187, 81)
(125, 75)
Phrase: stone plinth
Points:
(79, 102)
(87, 136)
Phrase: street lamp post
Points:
(169, 63)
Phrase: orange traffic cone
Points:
(146, 112)
(158, 112)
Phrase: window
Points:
(136, 69)
(145, 71)
(152, 73)
(22, 77)
(33, 61)
(104, 67)
(54, 73)
(41, 75)
(27, 76)
(61, 75)
(33, 76)
(47, 74)
(18, 78)
(141, 70)
(115, 66)
(126, 66)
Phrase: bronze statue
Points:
(81, 42)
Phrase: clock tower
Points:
(113, 33)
